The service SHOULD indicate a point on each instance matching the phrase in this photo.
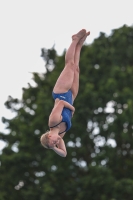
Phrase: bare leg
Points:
(75, 85)
(66, 78)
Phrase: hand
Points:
(73, 112)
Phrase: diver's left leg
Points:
(75, 84)
(65, 80)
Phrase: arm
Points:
(61, 149)
(68, 105)
(55, 116)
(60, 105)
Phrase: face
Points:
(54, 140)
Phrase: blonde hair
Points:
(45, 140)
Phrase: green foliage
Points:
(93, 168)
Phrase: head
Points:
(45, 140)
(49, 140)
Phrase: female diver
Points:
(64, 94)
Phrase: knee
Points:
(70, 65)
(77, 69)
(69, 62)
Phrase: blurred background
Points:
(33, 39)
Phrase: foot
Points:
(81, 41)
(79, 35)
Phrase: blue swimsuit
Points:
(66, 113)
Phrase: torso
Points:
(62, 126)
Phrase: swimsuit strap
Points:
(55, 125)
(62, 132)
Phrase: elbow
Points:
(65, 154)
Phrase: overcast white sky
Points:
(28, 25)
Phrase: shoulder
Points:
(62, 135)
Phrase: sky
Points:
(26, 26)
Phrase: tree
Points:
(93, 167)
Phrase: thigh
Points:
(65, 80)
